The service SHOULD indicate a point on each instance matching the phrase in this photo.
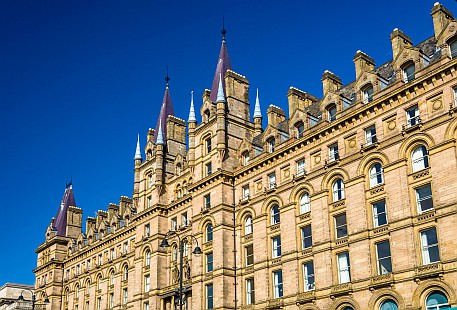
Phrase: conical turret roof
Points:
(165, 111)
(223, 64)
(68, 199)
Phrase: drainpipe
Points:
(234, 243)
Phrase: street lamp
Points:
(180, 293)
(21, 298)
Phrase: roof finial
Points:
(220, 91)
(192, 117)
(223, 31)
(138, 149)
(160, 134)
(167, 78)
(257, 111)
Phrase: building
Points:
(9, 296)
(348, 202)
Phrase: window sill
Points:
(341, 289)
(428, 271)
(306, 297)
(383, 280)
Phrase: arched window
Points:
(88, 287)
(206, 116)
(338, 190)
(99, 282)
(271, 145)
(147, 258)
(248, 225)
(408, 72)
(275, 215)
(179, 193)
(347, 308)
(185, 249)
(389, 304)
(367, 93)
(178, 169)
(209, 232)
(304, 203)
(76, 291)
(175, 253)
(331, 112)
(126, 273)
(67, 292)
(245, 156)
(419, 158)
(111, 278)
(376, 175)
(453, 48)
(437, 301)
(208, 145)
(300, 128)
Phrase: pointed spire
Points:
(68, 199)
(220, 91)
(257, 111)
(192, 117)
(160, 134)
(138, 149)
(223, 64)
(223, 31)
(165, 111)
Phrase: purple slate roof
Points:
(223, 64)
(165, 111)
(60, 223)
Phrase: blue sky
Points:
(80, 79)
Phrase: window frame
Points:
(425, 246)
(412, 116)
(339, 227)
(331, 112)
(423, 201)
(409, 76)
(306, 239)
(278, 289)
(377, 215)
(376, 175)
(380, 260)
(307, 275)
(248, 225)
(305, 203)
(272, 180)
(419, 158)
(249, 255)
(276, 246)
(271, 143)
(333, 153)
(209, 296)
(250, 291)
(366, 94)
(275, 214)
(209, 232)
(370, 135)
(209, 262)
(344, 272)
(338, 190)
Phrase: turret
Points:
(136, 172)
(257, 115)
(160, 153)
(221, 120)
(192, 124)
(399, 41)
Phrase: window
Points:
(184, 219)
(331, 113)
(453, 48)
(455, 96)
(250, 296)
(124, 296)
(178, 169)
(209, 262)
(146, 305)
(87, 305)
(174, 252)
(333, 152)
(368, 94)
(150, 180)
(300, 128)
(174, 223)
(99, 303)
(185, 248)
(344, 275)
(111, 278)
(276, 246)
(429, 242)
(112, 254)
(275, 215)
(383, 257)
(338, 190)
(419, 158)
(370, 135)
(100, 259)
(277, 284)
(89, 263)
(304, 203)
(149, 202)
(306, 237)
(111, 300)
(208, 145)
(379, 213)
(147, 258)
(126, 247)
(424, 198)
(308, 276)
(437, 301)
(341, 226)
(271, 145)
(245, 158)
(245, 190)
(249, 250)
(207, 201)
(208, 168)
(147, 282)
(389, 304)
(376, 175)
(76, 291)
(408, 72)
(209, 296)
(99, 283)
(412, 116)
(209, 232)
(206, 115)
(248, 225)
(147, 230)
(271, 180)
(300, 167)
(126, 273)
(88, 287)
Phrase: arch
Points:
(451, 130)
(379, 296)
(296, 192)
(241, 215)
(410, 143)
(342, 302)
(98, 280)
(331, 176)
(308, 306)
(205, 221)
(111, 276)
(367, 92)
(267, 204)
(367, 161)
(330, 110)
(428, 286)
(208, 232)
(125, 271)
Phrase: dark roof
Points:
(223, 64)
(165, 111)
(60, 223)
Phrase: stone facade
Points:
(350, 202)
(9, 297)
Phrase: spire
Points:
(165, 111)
(220, 91)
(192, 117)
(68, 199)
(223, 64)
(138, 150)
(160, 134)
(257, 111)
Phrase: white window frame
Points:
(147, 283)
(453, 49)
(147, 261)
(305, 204)
(209, 294)
(209, 259)
(249, 257)
(207, 201)
(419, 158)
(245, 192)
(276, 246)
(271, 142)
(301, 167)
(245, 156)
(407, 75)
(370, 135)
(174, 223)
(331, 113)
(420, 200)
(426, 245)
(377, 215)
(275, 216)
(368, 94)
(250, 291)
(124, 295)
(337, 227)
(309, 283)
(300, 129)
(376, 175)
(271, 180)
(305, 238)
(277, 284)
(333, 152)
(379, 259)
(248, 226)
(412, 116)
(208, 168)
(338, 190)
(344, 268)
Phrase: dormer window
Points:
(453, 48)
(271, 145)
(408, 72)
(331, 112)
(367, 93)
(206, 115)
(245, 156)
(300, 128)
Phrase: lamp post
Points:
(197, 250)
(21, 298)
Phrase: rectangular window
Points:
(276, 246)
(87, 305)
(344, 275)
(112, 254)
(174, 223)
(300, 167)
(312, 120)
(146, 305)
(150, 180)
(412, 116)
(208, 145)
(100, 259)
(89, 265)
(207, 201)
(306, 237)
(147, 230)
(308, 276)
(250, 296)
(430, 250)
(147, 282)
(99, 303)
(341, 226)
(124, 296)
(208, 168)
(424, 198)
(408, 72)
(271, 180)
(455, 96)
(277, 284)
(370, 135)
(249, 250)
(383, 257)
(209, 296)
(209, 262)
(333, 152)
(184, 219)
(246, 192)
(368, 94)
(149, 202)
(111, 300)
(379, 213)
(126, 247)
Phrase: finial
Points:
(167, 78)
(138, 149)
(223, 31)
(257, 111)
(220, 91)
(192, 117)
(159, 133)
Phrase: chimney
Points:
(275, 115)
(399, 41)
(441, 18)
(330, 82)
(299, 99)
(362, 63)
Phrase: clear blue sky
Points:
(79, 80)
